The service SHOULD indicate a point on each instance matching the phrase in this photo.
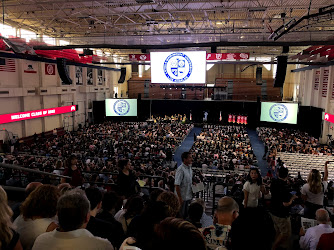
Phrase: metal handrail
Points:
(32, 170)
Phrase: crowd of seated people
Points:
(97, 149)
(292, 141)
(65, 217)
(96, 219)
(223, 147)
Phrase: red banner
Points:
(329, 117)
(209, 56)
(14, 117)
(139, 57)
(50, 69)
(226, 56)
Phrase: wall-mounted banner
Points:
(139, 57)
(329, 117)
(226, 56)
(30, 67)
(317, 80)
(14, 117)
(325, 77)
(209, 56)
(50, 69)
(9, 65)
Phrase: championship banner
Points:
(325, 77)
(317, 80)
(139, 57)
(245, 120)
(50, 69)
(238, 119)
(226, 56)
(220, 116)
(233, 118)
(14, 117)
(209, 56)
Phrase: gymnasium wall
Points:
(27, 85)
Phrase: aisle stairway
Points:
(186, 145)
(258, 149)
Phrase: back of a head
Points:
(31, 187)
(5, 219)
(314, 181)
(134, 206)
(111, 201)
(94, 196)
(195, 212)
(227, 205)
(41, 202)
(171, 201)
(177, 234)
(72, 209)
(322, 216)
(283, 172)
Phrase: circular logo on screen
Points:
(178, 67)
(278, 112)
(121, 107)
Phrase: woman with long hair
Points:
(37, 214)
(9, 238)
(252, 188)
(313, 192)
(72, 171)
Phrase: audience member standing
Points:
(73, 214)
(252, 188)
(127, 184)
(183, 182)
(310, 239)
(281, 200)
(217, 235)
(313, 192)
(72, 171)
(10, 240)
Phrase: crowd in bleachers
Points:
(62, 216)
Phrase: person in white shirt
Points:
(73, 211)
(313, 191)
(310, 239)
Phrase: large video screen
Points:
(279, 112)
(178, 67)
(121, 107)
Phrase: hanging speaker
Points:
(214, 49)
(62, 71)
(258, 75)
(285, 49)
(281, 71)
(123, 74)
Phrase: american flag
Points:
(9, 65)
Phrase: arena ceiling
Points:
(230, 25)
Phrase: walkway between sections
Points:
(258, 149)
(186, 145)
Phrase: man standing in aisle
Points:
(183, 181)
